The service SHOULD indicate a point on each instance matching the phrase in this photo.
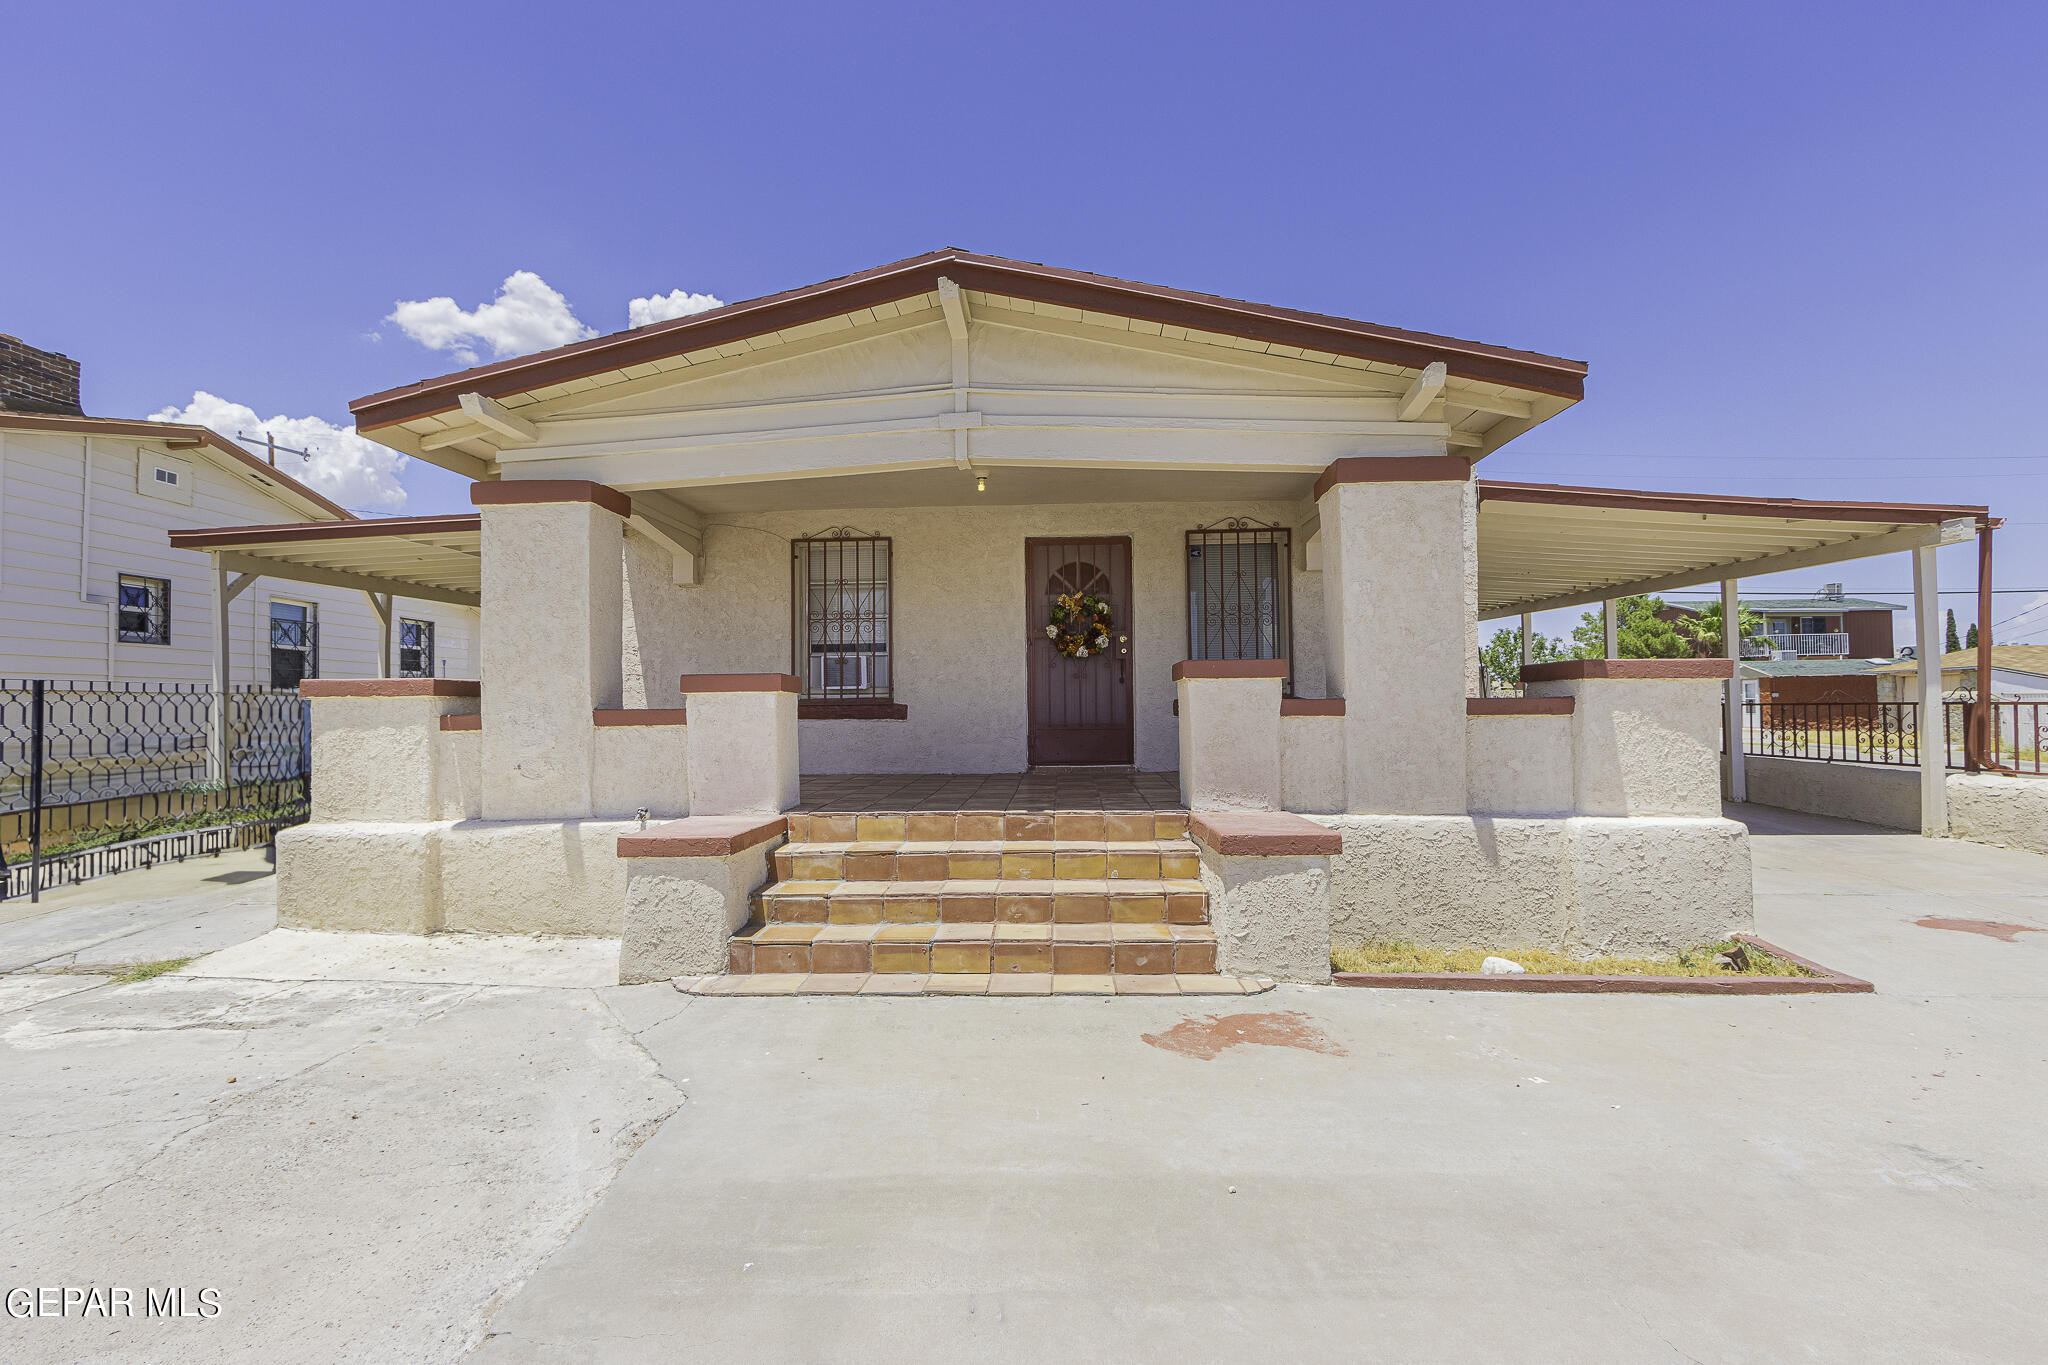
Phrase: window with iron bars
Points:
(415, 648)
(145, 608)
(294, 643)
(840, 590)
(1240, 593)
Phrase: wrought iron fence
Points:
(1886, 732)
(113, 770)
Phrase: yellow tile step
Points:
(1073, 900)
(1056, 859)
(975, 949)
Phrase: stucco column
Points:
(742, 742)
(1396, 534)
(1229, 732)
(552, 640)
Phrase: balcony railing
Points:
(1829, 645)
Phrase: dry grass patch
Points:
(144, 971)
(1407, 957)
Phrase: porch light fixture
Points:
(981, 483)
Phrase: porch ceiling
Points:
(435, 559)
(1543, 546)
(1008, 486)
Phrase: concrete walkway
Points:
(421, 1171)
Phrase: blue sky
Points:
(1800, 246)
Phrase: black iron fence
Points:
(1888, 732)
(98, 777)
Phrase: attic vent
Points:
(169, 476)
(1832, 591)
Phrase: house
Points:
(1827, 625)
(2018, 672)
(91, 589)
(1803, 682)
(977, 619)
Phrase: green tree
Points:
(1704, 629)
(1502, 656)
(1639, 633)
(1971, 641)
(1953, 643)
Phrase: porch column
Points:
(1608, 633)
(1731, 645)
(1396, 619)
(1528, 646)
(552, 640)
(1933, 734)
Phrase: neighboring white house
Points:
(91, 589)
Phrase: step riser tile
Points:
(1082, 959)
(972, 958)
(1020, 957)
(967, 909)
(833, 956)
(1142, 959)
(781, 958)
(902, 957)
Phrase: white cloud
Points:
(677, 303)
(528, 315)
(350, 469)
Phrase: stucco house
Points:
(967, 618)
(92, 589)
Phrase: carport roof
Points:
(1543, 546)
(435, 559)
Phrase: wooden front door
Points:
(1080, 708)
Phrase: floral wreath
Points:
(1080, 624)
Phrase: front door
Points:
(1080, 707)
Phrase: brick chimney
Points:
(37, 381)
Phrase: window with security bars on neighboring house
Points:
(840, 592)
(294, 643)
(1240, 594)
(415, 648)
(145, 610)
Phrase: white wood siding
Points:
(59, 571)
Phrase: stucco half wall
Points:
(1632, 885)
(958, 621)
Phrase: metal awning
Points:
(433, 559)
(1545, 546)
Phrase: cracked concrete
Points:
(416, 1161)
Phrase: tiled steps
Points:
(982, 895)
(981, 949)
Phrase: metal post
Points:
(1609, 631)
(1933, 728)
(35, 791)
(1984, 716)
(217, 748)
(1731, 645)
(1528, 641)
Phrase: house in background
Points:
(1827, 625)
(2018, 672)
(92, 589)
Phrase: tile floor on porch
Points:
(1041, 789)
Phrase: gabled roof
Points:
(1104, 294)
(173, 435)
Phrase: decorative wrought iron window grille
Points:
(840, 597)
(145, 610)
(294, 644)
(1241, 592)
(415, 648)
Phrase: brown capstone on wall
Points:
(37, 381)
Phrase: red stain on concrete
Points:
(1990, 928)
(1205, 1038)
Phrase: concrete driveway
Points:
(421, 1162)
